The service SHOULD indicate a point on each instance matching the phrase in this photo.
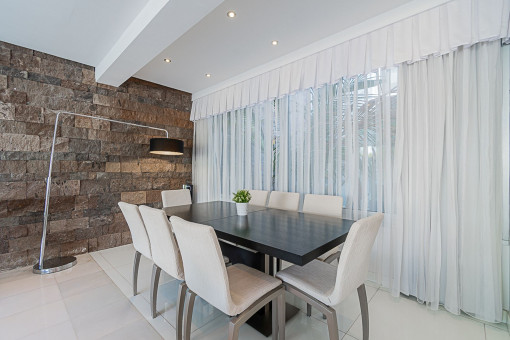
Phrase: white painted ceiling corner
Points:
(157, 26)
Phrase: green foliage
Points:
(241, 196)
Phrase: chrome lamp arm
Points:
(61, 263)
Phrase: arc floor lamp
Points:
(158, 146)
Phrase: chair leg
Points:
(156, 271)
(233, 331)
(332, 257)
(362, 295)
(274, 316)
(188, 313)
(181, 298)
(281, 316)
(136, 264)
(237, 321)
(332, 323)
(326, 310)
(308, 309)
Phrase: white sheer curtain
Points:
(429, 158)
(233, 151)
(337, 140)
(448, 182)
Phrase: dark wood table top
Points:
(291, 236)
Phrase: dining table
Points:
(266, 234)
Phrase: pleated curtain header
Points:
(434, 32)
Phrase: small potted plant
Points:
(242, 197)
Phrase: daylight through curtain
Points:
(421, 143)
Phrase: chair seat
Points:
(316, 279)
(247, 285)
(331, 252)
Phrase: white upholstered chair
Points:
(172, 198)
(328, 206)
(166, 256)
(139, 236)
(284, 200)
(238, 291)
(258, 197)
(323, 285)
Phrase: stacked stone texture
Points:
(97, 163)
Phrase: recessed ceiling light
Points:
(167, 60)
(231, 14)
(274, 42)
(208, 75)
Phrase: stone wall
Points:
(97, 163)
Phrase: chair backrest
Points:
(165, 252)
(323, 205)
(137, 228)
(355, 257)
(284, 200)
(206, 274)
(258, 197)
(172, 198)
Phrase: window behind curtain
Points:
(335, 139)
(331, 140)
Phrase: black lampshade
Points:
(166, 146)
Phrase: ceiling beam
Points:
(158, 25)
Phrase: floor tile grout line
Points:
(143, 297)
(58, 324)
(115, 269)
(74, 294)
(108, 304)
(25, 292)
(142, 316)
(34, 307)
(150, 320)
(168, 321)
(129, 299)
(67, 310)
(471, 318)
(30, 290)
(129, 323)
(304, 313)
(442, 309)
(213, 319)
(41, 305)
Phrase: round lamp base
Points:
(55, 264)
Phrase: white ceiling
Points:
(122, 38)
(79, 30)
(227, 47)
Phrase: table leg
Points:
(262, 320)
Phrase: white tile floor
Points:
(79, 303)
(93, 300)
